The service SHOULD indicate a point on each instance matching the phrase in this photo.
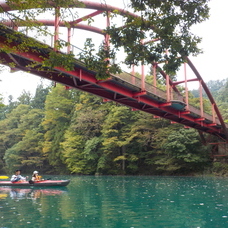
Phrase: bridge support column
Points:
(142, 78)
(133, 73)
(107, 43)
(201, 98)
(167, 84)
(142, 72)
(68, 40)
(107, 36)
(213, 112)
(155, 77)
(167, 88)
(186, 86)
(56, 35)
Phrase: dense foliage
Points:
(68, 131)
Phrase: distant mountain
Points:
(218, 89)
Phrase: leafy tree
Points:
(3, 108)
(26, 149)
(58, 109)
(2, 116)
(182, 153)
(81, 155)
(26, 154)
(144, 136)
(1, 101)
(10, 134)
(168, 21)
(222, 93)
(83, 137)
(73, 152)
(100, 61)
(9, 128)
(115, 140)
(38, 101)
(25, 98)
(223, 107)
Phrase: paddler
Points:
(17, 177)
(35, 176)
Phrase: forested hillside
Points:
(219, 90)
(69, 131)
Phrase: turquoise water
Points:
(119, 202)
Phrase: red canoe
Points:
(36, 183)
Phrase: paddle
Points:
(4, 177)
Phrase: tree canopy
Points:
(161, 32)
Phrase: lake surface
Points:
(118, 202)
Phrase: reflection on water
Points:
(27, 193)
(119, 202)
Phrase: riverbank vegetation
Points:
(71, 132)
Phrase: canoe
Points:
(41, 183)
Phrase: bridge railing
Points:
(197, 111)
(133, 80)
(149, 87)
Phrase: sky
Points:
(212, 64)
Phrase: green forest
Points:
(66, 131)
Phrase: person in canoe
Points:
(17, 177)
(35, 176)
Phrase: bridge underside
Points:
(114, 88)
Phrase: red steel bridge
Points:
(126, 89)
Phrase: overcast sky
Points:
(212, 64)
